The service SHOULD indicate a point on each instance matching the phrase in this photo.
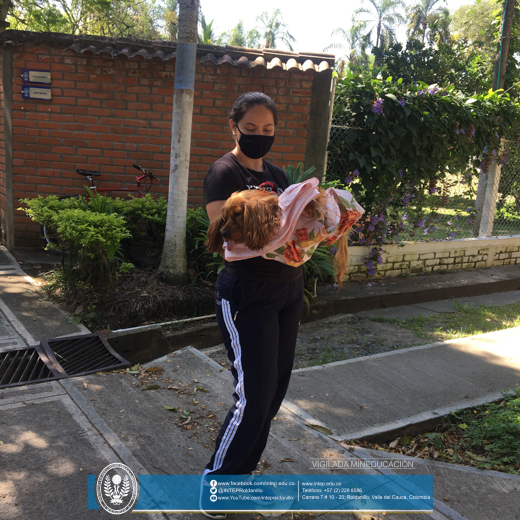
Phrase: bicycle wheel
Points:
(51, 239)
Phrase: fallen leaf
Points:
(393, 444)
(446, 499)
(173, 388)
(198, 387)
(405, 441)
(184, 423)
(79, 309)
(151, 387)
(153, 369)
(170, 408)
(85, 386)
(476, 457)
(297, 439)
(320, 428)
(287, 459)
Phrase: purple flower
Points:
(355, 173)
(426, 230)
(379, 259)
(377, 106)
(348, 180)
(451, 235)
(473, 132)
(371, 271)
(462, 131)
(333, 250)
(400, 173)
(449, 222)
(374, 219)
(421, 222)
(405, 217)
(402, 102)
(371, 227)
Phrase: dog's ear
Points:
(214, 240)
(261, 221)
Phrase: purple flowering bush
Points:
(400, 144)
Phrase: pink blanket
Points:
(298, 236)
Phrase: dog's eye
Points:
(237, 214)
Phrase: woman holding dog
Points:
(258, 301)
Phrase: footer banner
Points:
(117, 490)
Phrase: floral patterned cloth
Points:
(298, 236)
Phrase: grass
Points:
(486, 437)
(465, 321)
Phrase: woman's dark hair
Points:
(249, 100)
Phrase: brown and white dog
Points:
(252, 218)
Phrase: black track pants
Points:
(259, 324)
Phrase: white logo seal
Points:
(117, 489)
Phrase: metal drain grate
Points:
(22, 365)
(80, 355)
(56, 359)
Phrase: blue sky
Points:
(311, 23)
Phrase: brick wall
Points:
(424, 257)
(107, 113)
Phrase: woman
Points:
(258, 301)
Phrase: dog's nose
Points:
(224, 233)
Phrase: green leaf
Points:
(391, 96)
(170, 408)
(320, 428)
(151, 387)
(405, 441)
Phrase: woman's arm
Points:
(213, 208)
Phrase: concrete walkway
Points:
(54, 434)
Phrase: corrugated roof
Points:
(165, 50)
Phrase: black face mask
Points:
(255, 146)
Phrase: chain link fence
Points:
(461, 205)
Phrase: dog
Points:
(253, 217)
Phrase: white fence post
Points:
(490, 200)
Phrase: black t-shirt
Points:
(228, 175)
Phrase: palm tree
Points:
(381, 15)
(273, 28)
(423, 15)
(351, 37)
(206, 36)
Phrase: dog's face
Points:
(247, 217)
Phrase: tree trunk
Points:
(174, 267)
(503, 46)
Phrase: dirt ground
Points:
(345, 336)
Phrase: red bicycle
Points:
(143, 184)
(138, 189)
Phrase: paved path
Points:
(52, 435)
